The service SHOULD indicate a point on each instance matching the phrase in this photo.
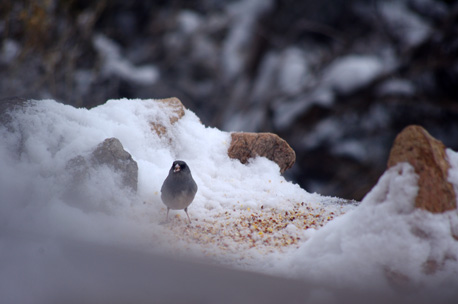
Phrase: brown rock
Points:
(177, 108)
(427, 155)
(248, 145)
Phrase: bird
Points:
(179, 188)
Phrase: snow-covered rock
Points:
(111, 153)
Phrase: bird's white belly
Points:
(180, 201)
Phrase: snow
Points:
(266, 79)
(83, 80)
(115, 64)
(343, 76)
(408, 27)
(189, 21)
(349, 73)
(50, 134)
(350, 148)
(9, 51)
(286, 112)
(235, 50)
(396, 87)
(243, 216)
(384, 234)
(293, 72)
(326, 130)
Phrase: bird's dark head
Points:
(179, 166)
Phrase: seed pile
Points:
(265, 229)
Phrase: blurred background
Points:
(337, 79)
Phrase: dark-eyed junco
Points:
(179, 188)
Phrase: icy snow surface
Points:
(244, 216)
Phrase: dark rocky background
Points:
(337, 79)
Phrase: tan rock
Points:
(427, 155)
(177, 108)
(248, 145)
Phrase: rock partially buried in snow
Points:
(249, 145)
(427, 155)
(176, 107)
(111, 153)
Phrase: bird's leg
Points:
(186, 210)
(167, 217)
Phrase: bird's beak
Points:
(177, 168)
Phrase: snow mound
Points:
(244, 216)
(385, 244)
(44, 136)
